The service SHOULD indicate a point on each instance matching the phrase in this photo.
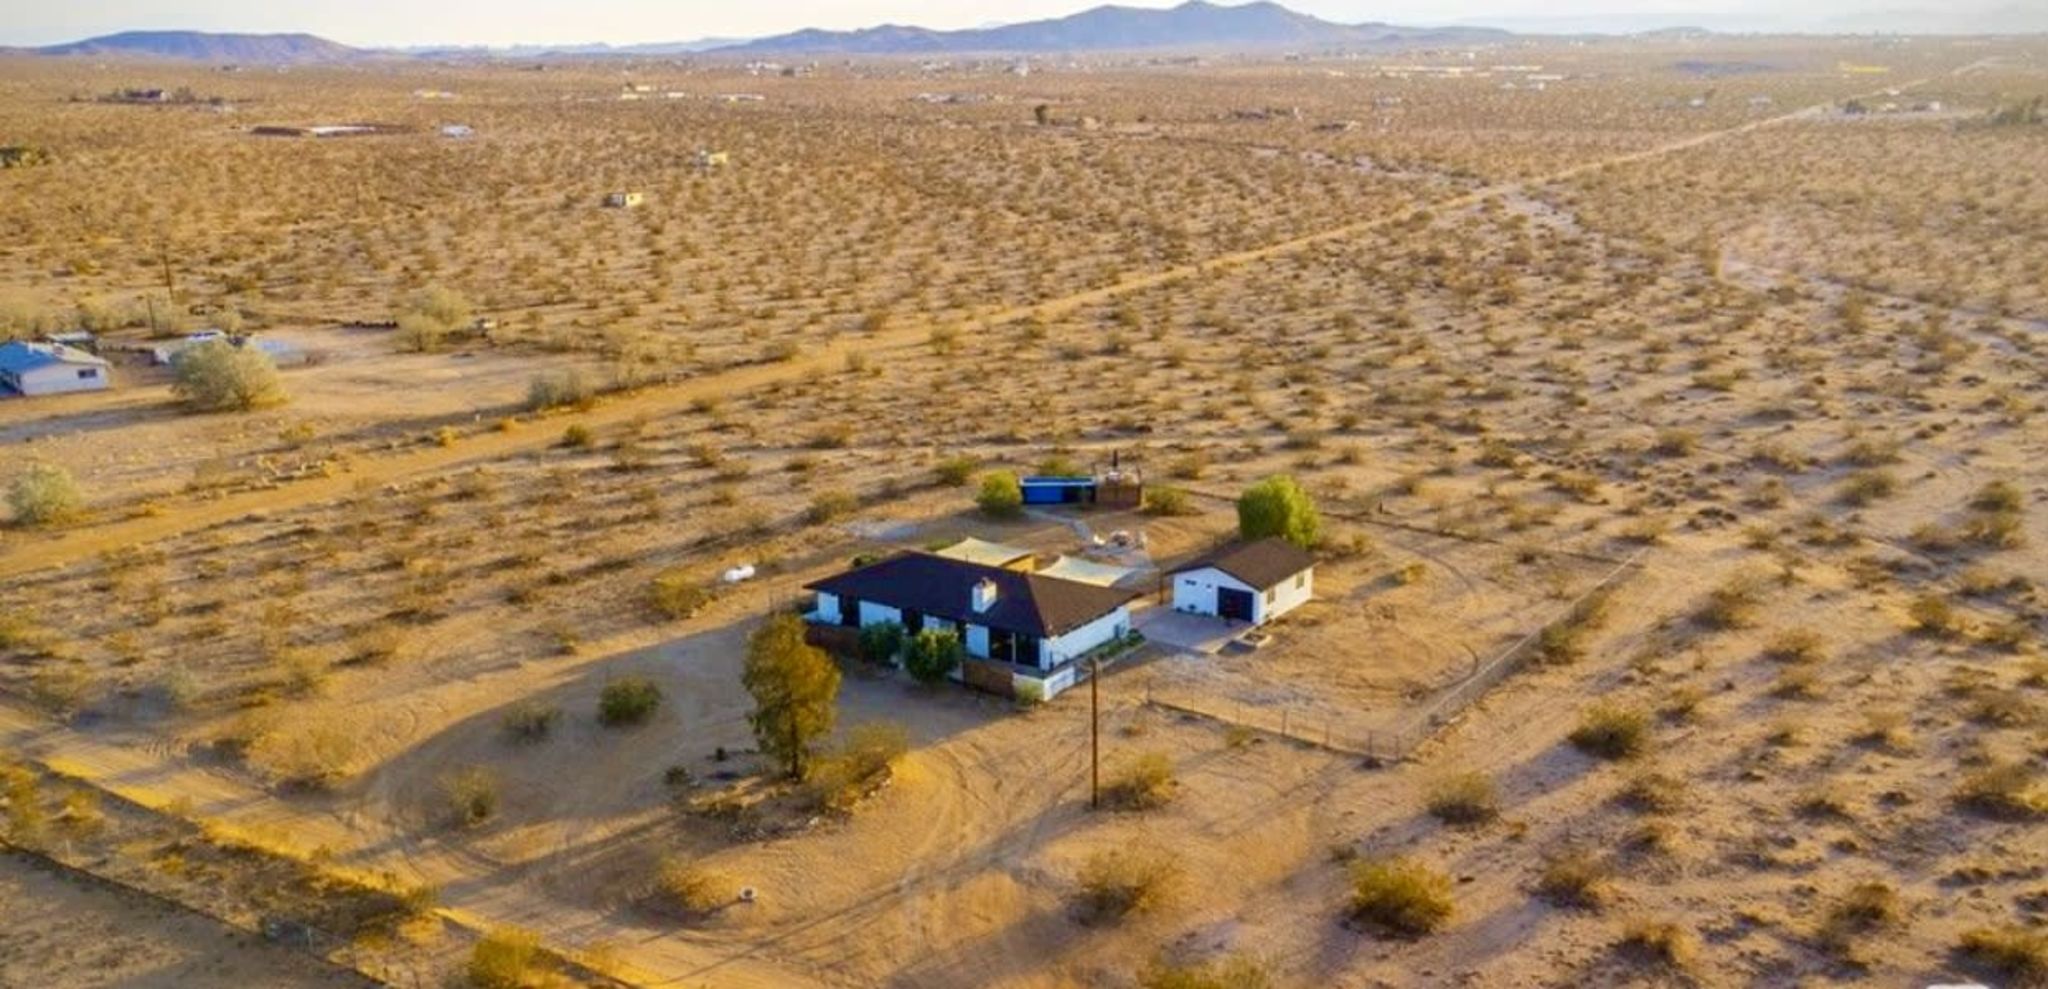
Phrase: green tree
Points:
(1001, 496)
(795, 689)
(44, 494)
(217, 376)
(1277, 506)
(934, 654)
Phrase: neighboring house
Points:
(164, 353)
(1247, 582)
(625, 200)
(990, 554)
(1036, 626)
(457, 130)
(51, 369)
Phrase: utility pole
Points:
(1095, 733)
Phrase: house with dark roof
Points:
(1033, 625)
(28, 368)
(1252, 582)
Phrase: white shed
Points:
(51, 369)
(1248, 582)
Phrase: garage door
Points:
(1233, 604)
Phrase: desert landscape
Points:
(449, 587)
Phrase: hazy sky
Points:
(497, 22)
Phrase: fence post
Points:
(1283, 723)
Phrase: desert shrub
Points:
(1661, 943)
(628, 701)
(1867, 907)
(862, 763)
(1932, 614)
(933, 655)
(1612, 731)
(578, 436)
(1999, 496)
(530, 721)
(1165, 501)
(676, 594)
(1122, 881)
(882, 642)
(1575, 878)
(2016, 953)
(1227, 973)
(1277, 506)
(1796, 645)
(472, 796)
(45, 494)
(1400, 895)
(2003, 790)
(558, 389)
(504, 958)
(955, 472)
(694, 889)
(1001, 495)
(313, 754)
(216, 376)
(428, 316)
(828, 505)
(1464, 798)
(1142, 784)
(1654, 792)
(1734, 604)
(1993, 530)
(1866, 486)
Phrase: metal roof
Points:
(21, 356)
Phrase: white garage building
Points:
(50, 369)
(1252, 582)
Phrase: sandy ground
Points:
(963, 870)
(63, 931)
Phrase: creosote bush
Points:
(1002, 496)
(1142, 784)
(1121, 881)
(676, 594)
(1661, 943)
(2012, 952)
(1464, 798)
(694, 889)
(1400, 895)
(1226, 973)
(472, 796)
(505, 958)
(839, 780)
(628, 701)
(217, 376)
(1612, 731)
(1575, 878)
(531, 720)
(45, 494)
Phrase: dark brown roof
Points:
(1261, 564)
(1026, 603)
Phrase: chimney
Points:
(983, 597)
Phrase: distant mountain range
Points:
(1196, 25)
(1192, 25)
(205, 47)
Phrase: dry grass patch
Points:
(1119, 882)
(1612, 731)
(1463, 798)
(1400, 896)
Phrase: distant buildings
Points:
(31, 369)
(624, 200)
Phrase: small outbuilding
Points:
(624, 200)
(50, 369)
(1253, 582)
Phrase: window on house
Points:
(1300, 580)
(87, 373)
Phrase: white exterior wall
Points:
(1195, 590)
(1054, 651)
(58, 379)
(1287, 597)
